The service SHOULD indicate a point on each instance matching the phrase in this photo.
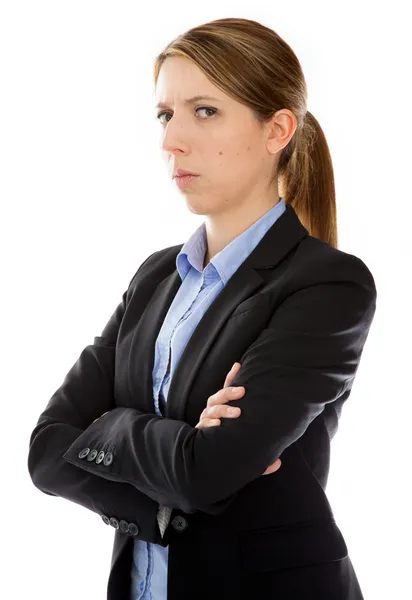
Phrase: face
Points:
(219, 139)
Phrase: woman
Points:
(261, 285)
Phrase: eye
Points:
(207, 108)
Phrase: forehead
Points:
(190, 101)
(181, 81)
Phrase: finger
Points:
(273, 467)
(232, 374)
(219, 411)
(225, 395)
(205, 423)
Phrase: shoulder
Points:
(324, 263)
(158, 264)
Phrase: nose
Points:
(175, 137)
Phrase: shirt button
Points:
(179, 523)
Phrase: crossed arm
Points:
(305, 358)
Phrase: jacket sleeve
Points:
(306, 357)
(86, 393)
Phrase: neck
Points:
(224, 228)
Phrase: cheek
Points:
(227, 159)
(231, 162)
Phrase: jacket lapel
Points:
(280, 239)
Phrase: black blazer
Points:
(296, 315)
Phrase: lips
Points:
(184, 181)
(182, 173)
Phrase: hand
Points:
(216, 407)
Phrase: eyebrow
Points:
(189, 101)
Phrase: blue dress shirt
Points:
(198, 290)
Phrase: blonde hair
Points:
(255, 66)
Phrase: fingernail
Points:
(233, 367)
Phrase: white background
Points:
(85, 198)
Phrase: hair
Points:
(255, 66)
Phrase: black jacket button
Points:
(83, 452)
(92, 455)
(108, 459)
(179, 523)
(124, 526)
(133, 529)
(106, 519)
(114, 523)
(100, 457)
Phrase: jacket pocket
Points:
(272, 548)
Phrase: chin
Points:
(197, 211)
(196, 208)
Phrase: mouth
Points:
(183, 173)
(184, 180)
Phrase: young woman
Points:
(233, 508)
